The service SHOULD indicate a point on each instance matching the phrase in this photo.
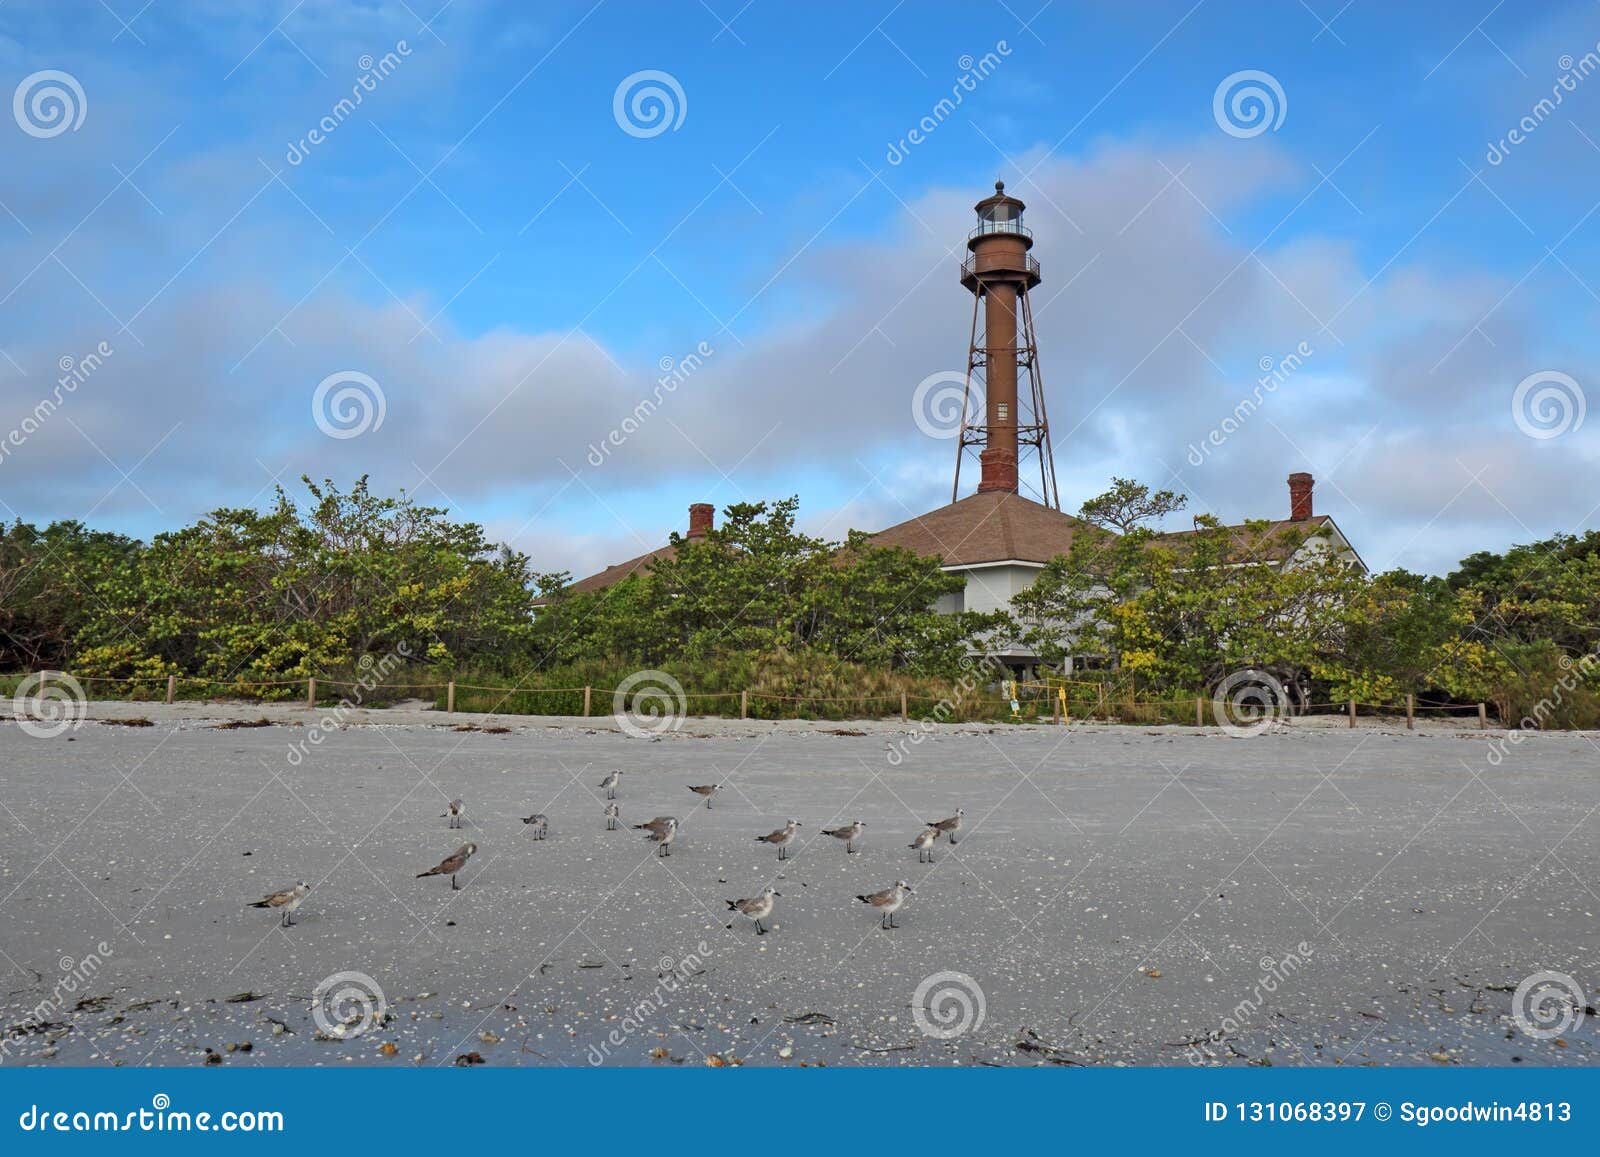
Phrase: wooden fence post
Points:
(311, 692)
(903, 715)
(450, 697)
(1411, 712)
(588, 696)
(744, 705)
(1199, 712)
(172, 688)
(1483, 718)
(1352, 713)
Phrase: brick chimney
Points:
(700, 519)
(1300, 485)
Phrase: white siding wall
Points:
(1333, 543)
(990, 588)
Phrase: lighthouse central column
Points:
(999, 458)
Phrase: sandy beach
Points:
(1119, 895)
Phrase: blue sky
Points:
(485, 241)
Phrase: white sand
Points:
(1422, 878)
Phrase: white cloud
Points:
(1152, 317)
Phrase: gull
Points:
(452, 864)
(848, 834)
(540, 823)
(923, 844)
(288, 900)
(888, 902)
(612, 812)
(757, 909)
(950, 826)
(610, 783)
(453, 811)
(661, 831)
(780, 838)
(706, 789)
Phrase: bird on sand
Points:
(453, 810)
(285, 901)
(706, 789)
(888, 902)
(612, 814)
(848, 834)
(757, 909)
(780, 838)
(950, 826)
(923, 844)
(661, 831)
(609, 784)
(540, 824)
(451, 864)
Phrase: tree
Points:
(47, 582)
(755, 585)
(1129, 504)
(1183, 611)
(288, 593)
(1548, 590)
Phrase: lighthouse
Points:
(1003, 416)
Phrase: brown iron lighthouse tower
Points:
(1002, 357)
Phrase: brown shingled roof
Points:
(615, 573)
(988, 527)
(701, 515)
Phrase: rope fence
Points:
(1036, 700)
(1110, 701)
